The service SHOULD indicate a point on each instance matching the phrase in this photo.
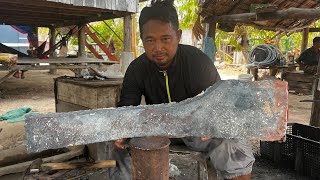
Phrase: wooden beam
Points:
(290, 13)
(314, 30)
(305, 37)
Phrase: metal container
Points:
(150, 158)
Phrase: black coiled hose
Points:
(264, 55)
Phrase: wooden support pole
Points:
(127, 33)
(305, 36)
(52, 42)
(81, 41)
(315, 111)
(127, 56)
(134, 39)
(212, 30)
(37, 35)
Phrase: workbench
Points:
(26, 64)
(254, 70)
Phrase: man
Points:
(308, 60)
(170, 72)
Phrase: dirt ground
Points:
(36, 91)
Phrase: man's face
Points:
(316, 45)
(160, 41)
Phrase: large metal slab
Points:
(228, 109)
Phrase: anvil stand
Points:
(150, 158)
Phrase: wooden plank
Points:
(108, 96)
(80, 95)
(299, 76)
(92, 83)
(77, 165)
(46, 67)
(297, 84)
(62, 106)
(60, 60)
(300, 91)
(77, 151)
(7, 76)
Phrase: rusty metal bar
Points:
(228, 109)
(150, 158)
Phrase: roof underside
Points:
(212, 8)
(63, 12)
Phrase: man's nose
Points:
(158, 46)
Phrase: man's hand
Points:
(119, 143)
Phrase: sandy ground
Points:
(36, 91)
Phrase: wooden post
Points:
(52, 42)
(315, 111)
(305, 36)
(127, 55)
(37, 37)
(81, 41)
(212, 31)
(127, 33)
(134, 39)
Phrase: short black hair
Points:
(316, 40)
(162, 10)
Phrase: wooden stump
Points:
(315, 111)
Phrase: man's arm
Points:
(130, 95)
(204, 74)
(301, 58)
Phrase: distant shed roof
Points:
(285, 15)
(63, 12)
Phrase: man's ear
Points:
(179, 34)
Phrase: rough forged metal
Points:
(228, 109)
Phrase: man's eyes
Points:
(167, 39)
(163, 40)
(149, 40)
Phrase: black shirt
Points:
(190, 73)
(309, 57)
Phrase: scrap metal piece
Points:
(150, 158)
(228, 109)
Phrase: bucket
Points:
(245, 77)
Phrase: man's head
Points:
(160, 33)
(316, 42)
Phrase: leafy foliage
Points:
(188, 12)
(105, 34)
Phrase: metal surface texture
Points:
(228, 109)
(150, 158)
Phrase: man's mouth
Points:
(160, 56)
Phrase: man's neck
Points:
(315, 49)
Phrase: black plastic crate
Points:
(301, 150)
